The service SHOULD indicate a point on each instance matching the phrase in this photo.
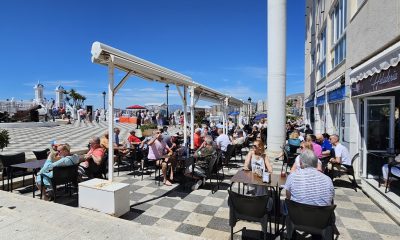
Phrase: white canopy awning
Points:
(132, 65)
(390, 57)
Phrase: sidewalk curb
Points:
(381, 201)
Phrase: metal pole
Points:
(191, 116)
(167, 88)
(185, 115)
(110, 122)
(104, 105)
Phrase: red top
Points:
(133, 139)
(197, 141)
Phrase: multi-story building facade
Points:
(352, 76)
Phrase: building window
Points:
(339, 20)
(322, 55)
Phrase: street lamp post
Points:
(104, 105)
(249, 99)
(167, 88)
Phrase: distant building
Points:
(12, 105)
(294, 104)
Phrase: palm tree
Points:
(77, 99)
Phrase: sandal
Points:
(167, 183)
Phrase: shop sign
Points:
(385, 79)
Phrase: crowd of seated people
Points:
(161, 147)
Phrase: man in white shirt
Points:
(342, 158)
(222, 140)
(342, 155)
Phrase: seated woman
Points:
(206, 150)
(92, 160)
(395, 170)
(256, 158)
(253, 135)
(297, 162)
(62, 157)
(292, 144)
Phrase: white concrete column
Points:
(226, 102)
(191, 89)
(184, 115)
(110, 121)
(276, 75)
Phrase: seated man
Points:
(323, 140)
(117, 148)
(239, 139)
(158, 148)
(92, 160)
(308, 185)
(342, 156)
(62, 157)
(203, 153)
(222, 140)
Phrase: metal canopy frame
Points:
(134, 66)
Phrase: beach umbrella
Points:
(135, 107)
(260, 116)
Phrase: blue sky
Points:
(219, 43)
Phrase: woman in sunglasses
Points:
(62, 157)
(257, 160)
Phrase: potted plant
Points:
(147, 129)
(4, 139)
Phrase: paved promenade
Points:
(173, 210)
(23, 218)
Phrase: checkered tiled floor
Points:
(200, 212)
(205, 214)
(77, 135)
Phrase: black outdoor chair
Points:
(288, 160)
(391, 175)
(250, 208)
(7, 161)
(238, 151)
(339, 170)
(213, 168)
(317, 220)
(227, 156)
(152, 164)
(135, 155)
(40, 155)
(66, 175)
(103, 169)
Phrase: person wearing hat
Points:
(61, 158)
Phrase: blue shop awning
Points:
(337, 94)
(309, 104)
(321, 100)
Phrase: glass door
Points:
(378, 132)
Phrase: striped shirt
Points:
(309, 186)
